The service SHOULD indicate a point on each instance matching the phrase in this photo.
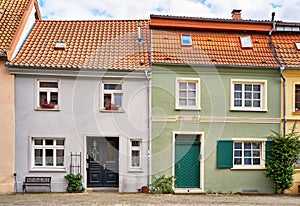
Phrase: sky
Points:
(285, 10)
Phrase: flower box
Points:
(47, 106)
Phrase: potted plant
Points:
(145, 189)
(74, 183)
(47, 106)
(111, 107)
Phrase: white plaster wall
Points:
(80, 117)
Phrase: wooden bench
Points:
(36, 182)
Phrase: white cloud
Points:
(286, 10)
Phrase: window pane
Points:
(238, 95)
(59, 157)
(248, 87)
(54, 98)
(256, 87)
(256, 95)
(248, 103)
(191, 102)
(238, 103)
(247, 145)
(256, 103)
(107, 100)
(38, 157)
(256, 153)
(192, 86)
(118, 100)
(43, 98)
(192, 94)
(186, 40)
(238, 87)
(49, 84)
(60, 142)
(256, 161)
(237, 145)
(182, 85)
(38, 142)
(135, 161)
(237, 153)
(248, 95)
(182, 94)
(182, 102)
(135, 143)
(247, 161)
(49, 157)
(247, 153)
(113, 86)
(255, 145)
(237, 161)
(49, 141)
(297, 98)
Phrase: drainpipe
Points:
(281, 69)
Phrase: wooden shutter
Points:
(225, 154)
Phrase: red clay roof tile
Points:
(107, 44)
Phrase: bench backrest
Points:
(37, 179)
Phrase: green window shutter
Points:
(225, 154)
(268, 152)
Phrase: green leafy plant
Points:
(280, 163)
(74, 183)
(162, 185)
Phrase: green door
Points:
(187, 161)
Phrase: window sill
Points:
(296, 112)
(47, 169)
(247, 110)
(45, 109)
(112, 111)
(135, 170)
(248, 168)
(188, 109)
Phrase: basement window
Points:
(246, 42)
(60, 45)
(297, 45)
(186, 40)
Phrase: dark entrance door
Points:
(102, 161)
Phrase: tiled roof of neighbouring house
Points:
(106, 44)
(11, 14)
(214, 42)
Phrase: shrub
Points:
(74, 183)
(162, 185)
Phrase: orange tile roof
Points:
(284, 44)
(107, 44)
(10, 20)
(212, 48)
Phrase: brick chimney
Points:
(236, 14)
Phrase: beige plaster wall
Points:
(7, 129)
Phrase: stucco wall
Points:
(80, 117)
(7, 126)
(215, 120)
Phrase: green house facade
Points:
(213, 104)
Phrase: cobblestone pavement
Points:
(117, 199)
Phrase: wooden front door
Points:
(102, 161)
(187, 161)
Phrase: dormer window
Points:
(297, 45)
(246, 42)
(186, 40)
(60, 45)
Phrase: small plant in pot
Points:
(145, 189)
(74, 183)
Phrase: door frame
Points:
(201, 139)
(84, 173)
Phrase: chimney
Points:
(236, 14)
(273, 16)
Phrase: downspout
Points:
(281, 69)
(148, 77)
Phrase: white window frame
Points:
(246, 42)
(48, 90)
(297, 44)
(135, 148)
(44, 147)
(186, 37)
(112, 93)
(262, 141)
(294, 98)
(263, 95)
(177, 102)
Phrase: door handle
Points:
(104, 167)
(178, 165)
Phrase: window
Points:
(48, 152)
(60, 45)
(297, 45)
(242, 153)
(135, 152)
(112, 96)
(247, 154)
(48, 94)
(297, 97)
(187, 93)
(186, 40)
(246, 42)
(249, 95)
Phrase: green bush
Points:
(280, 163)
(162, 185)
(74, 183)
